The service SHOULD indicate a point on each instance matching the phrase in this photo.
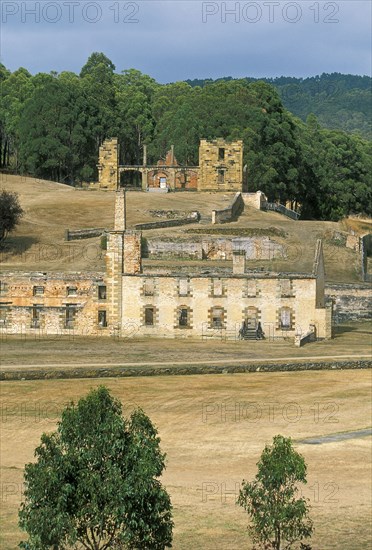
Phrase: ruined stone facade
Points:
(128, 300)
(220, 168)
(53, 303)
(221, 165)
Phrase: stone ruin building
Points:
(129, 300)
(220, 168)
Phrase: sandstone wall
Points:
(220, 165)
(237, 296)
(255, 200)
(108, 164)
(37, 303)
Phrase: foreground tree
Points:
(279, 518)
(94, 483)
(10, 213)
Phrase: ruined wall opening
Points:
(130, 179)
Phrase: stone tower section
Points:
(120, 210)
(108, 165)
(123, 257)
(114, 274)
(132, 253)
(220, 165)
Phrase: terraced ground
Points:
(51, 208)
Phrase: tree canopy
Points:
(51, 126)
(279, 518)
(95, 483)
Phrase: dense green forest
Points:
(51, 126)
(339, 101)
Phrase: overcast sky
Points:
(177, 39)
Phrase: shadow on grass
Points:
(339, 330)
(17, 246)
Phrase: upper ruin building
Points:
(220, 168)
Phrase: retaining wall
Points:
(231, 212)
(74, 235)
(192, 218)
(351, 302)
(42, 373)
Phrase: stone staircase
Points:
(249, 334)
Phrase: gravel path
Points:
(336, 437)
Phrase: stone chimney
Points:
(132, 253)
(120, 211)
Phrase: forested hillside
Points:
(51, 126)
(339, 101)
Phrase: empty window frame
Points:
(183, 317)
(149, 287)
(102, 292)
(35, 315)
(252, 317)
(285, 318)
(251, 287)
(221, 153)
(217, 286)
(217, 317)
(102, 318)
(149, 316)
(183, 287)
(38, 290)
(285, 287)
(70, 313)
(220, 176)
(71, 291)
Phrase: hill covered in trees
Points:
(339, 101)
(51, 126)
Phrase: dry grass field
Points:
(213, 429)
(50, 208)
(354, 339)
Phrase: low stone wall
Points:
(191, 218)
(351, 302)
(42, 373)
(231, 212)
(74, 235)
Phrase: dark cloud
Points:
(175, 40)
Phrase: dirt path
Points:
(336, 437)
